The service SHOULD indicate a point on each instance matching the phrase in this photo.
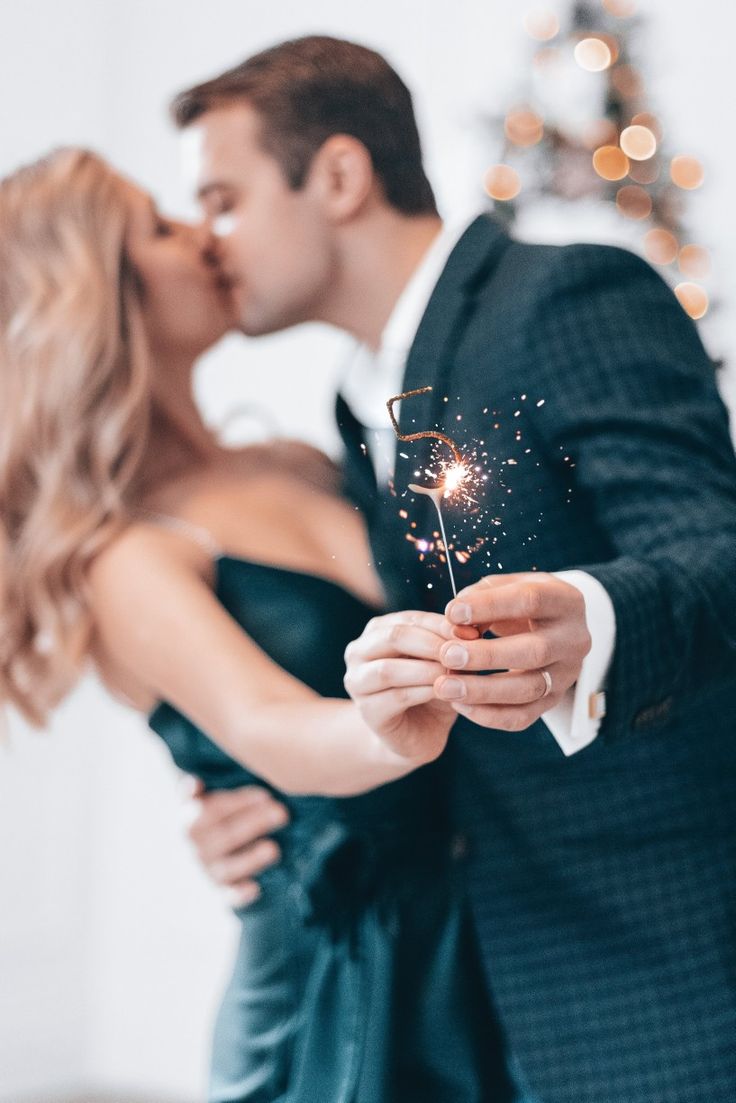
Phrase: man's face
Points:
(275, 243)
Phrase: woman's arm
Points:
(159, 621)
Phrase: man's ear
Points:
(343, 176)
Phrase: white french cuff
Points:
(575, 721)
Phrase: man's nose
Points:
(209, 244)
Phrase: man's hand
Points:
(228, 828)
(540, 624)
(391, 671)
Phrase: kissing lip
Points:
(223, 282)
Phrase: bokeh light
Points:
(542, 24)
(627, 81)
(502, 182)
(651, 122)
(694, 261)
(599, 132)
(612, 44)
(687, 172)
(634, 202)
(621, 9)
(547, 55)
(638, 143)
(593, 55)
(644, 172)
(693, 299)
(660, 246)
(610, 163)
(523, 127)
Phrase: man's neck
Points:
(379, 259)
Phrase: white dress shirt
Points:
(371, 378)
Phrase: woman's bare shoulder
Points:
(139, 546)
(293, 457)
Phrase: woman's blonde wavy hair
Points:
(74, 411)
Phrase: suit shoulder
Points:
(534, 271)
(593, 263)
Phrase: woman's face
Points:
(187, 304)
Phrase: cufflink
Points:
(597, 705)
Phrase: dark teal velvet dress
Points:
(357, 978)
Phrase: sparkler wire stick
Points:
(448, 560)
(436, 493)
(432, 434)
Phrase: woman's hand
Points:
(230, 831)
(391, 671)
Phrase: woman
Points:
(216, 592)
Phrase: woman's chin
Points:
(215, 336)
(222, 320)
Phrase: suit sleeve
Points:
(630, 394)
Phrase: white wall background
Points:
(112, 945)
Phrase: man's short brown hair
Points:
(310, 88)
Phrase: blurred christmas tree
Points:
(585, 134)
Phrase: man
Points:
(603, 880)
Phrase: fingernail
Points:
(454, 656)
(240, 898)
(269, 851)
(279, 817)
(459, 613)
(452, 689)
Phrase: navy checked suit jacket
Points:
(603, 885)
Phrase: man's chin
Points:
(252, 327)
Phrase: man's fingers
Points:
(516, 687)
(527, 651)
(465, 632)
(528, 597)
(504, 718)
(387, 674)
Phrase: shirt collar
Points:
(401, 328)
(372, 378)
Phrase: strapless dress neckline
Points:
(295, 572)
(361, 609)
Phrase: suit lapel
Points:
(428, 364)
(360, 479)
(469, 264)
(432, 353)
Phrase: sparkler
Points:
(436, 494)
(431, 434)
(453, 477)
